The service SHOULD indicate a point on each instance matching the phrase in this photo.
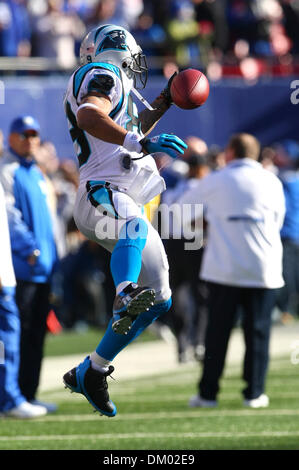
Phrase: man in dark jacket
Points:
(33, 245)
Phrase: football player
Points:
(118, 176)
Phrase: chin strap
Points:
(143, 100)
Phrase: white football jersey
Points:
(99, 160)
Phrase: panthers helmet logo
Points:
(113, 40)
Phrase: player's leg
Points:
(84, 378)
(126, 261)
(127, 231)
(154, 272)
(95, 369)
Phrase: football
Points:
(189, 89)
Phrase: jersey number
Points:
(78, 136)
(133, 123)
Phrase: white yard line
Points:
(121, 397)
(194, 414)
(170, 435)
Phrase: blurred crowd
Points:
(239, 37)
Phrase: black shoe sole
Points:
(141, 303)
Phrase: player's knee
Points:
(162, 289)
(134, 232)
(146, 318)
(162, 307)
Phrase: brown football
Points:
(189, 89)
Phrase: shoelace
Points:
(111, 368)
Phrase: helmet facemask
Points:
(138, 66)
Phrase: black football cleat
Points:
(128, 304)
(93, 385)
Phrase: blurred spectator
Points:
(15, 33)
(242, 262)
(12, 402)
(243, 23)
(87, 287)
(62, 181)
(104, 12)
(33, 246)
(152, 38)
(82, 8)
(1, 143)
(216, 158)
(291, 22)
(196, 146)
(169, 68)
(48, 162)
(212, 25)
(289, 296)
(173, 171)
(80, 286)
(66, 181)
(198, 31)
(182, 29)
(267, 159)
(129, 11)
(159, 10)
(260, 23)
(119, 12)
(55, 34)
(69, 171)
(188, 321)
(47, 158)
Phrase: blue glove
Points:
(167, 143)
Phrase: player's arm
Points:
(149, 118)
(93, 117)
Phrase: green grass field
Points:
(70, 342)
(153, 414)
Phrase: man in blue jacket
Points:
(33, 244)
(289, 296)
(12, 402)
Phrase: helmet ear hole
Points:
(124, 65)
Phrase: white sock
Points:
(99, 363)
(122, 286)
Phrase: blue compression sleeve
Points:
(126, 257)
